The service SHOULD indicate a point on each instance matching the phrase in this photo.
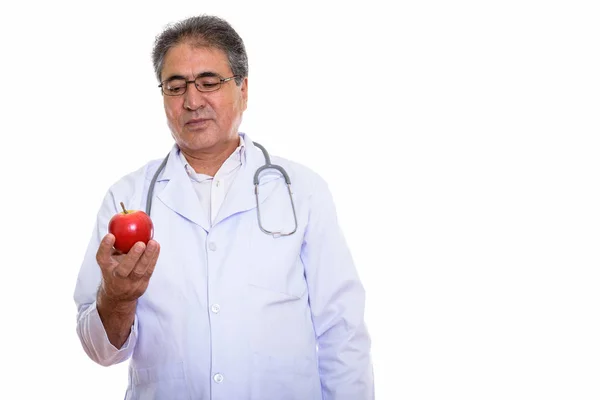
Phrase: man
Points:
(241, 294)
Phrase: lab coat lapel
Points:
(179, 194)
(241, 195)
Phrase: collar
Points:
(234, 161)
(177, 192)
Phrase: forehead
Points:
(186, 59)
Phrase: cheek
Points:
(229, 103)
(236, 106)
(172, 113)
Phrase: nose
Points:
(193, 98)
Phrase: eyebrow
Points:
(200, 75)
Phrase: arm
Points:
(99, 343)
(106, 293)
(95, 340)
(125, 278)
(337, 302)
(117, 318)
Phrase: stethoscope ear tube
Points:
(267, 165)
(151, 188)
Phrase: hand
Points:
(125, 277)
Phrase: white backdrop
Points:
(460, 140)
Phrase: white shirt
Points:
(211, 191)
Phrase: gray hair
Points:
(204, 30)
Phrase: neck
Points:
(208, 162)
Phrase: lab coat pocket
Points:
(285, 377)
(161, 382)
(275, 265)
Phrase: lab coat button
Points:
(215, 308)
(212, 246)
(218, 378)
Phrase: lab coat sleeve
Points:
(90, 329)
(337, 302)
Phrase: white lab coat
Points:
(231, 313)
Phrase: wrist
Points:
(120, 306)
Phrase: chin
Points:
(197, 140)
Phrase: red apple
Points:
(130, 227)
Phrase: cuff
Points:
(95, 340)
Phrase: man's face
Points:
(203, 121)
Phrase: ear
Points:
(244, 93)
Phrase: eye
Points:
(176, 86)
(208, 82)
(176, 90)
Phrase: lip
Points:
(197, 123)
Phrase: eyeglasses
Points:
(178, 86)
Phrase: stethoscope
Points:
(266, 166)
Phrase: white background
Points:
(460, 140)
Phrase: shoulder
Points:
(133, 178)
(303, 178)
(311, 189)
(130, 187)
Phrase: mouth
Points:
(197, 123)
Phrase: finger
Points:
(129, 260)
(104, 252)
(147, 260)
(153, 262)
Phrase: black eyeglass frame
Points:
(217, 87)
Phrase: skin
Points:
(125, 278)
(205, 127)
(207, 144)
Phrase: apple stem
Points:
(123, 206)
